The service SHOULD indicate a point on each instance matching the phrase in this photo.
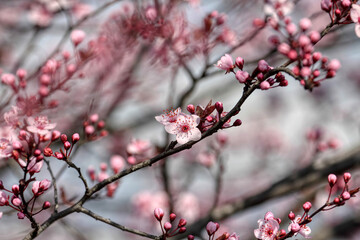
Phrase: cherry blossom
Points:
(225, 63)
(39, 187)
(40, 125)
(233, 236)
(4, 199)
(304, 230)
(268, 227)
(355, 17)
(185, 128)
(5, 148)
(169, 116)
(12, 117)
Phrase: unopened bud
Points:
(182, 223)
(46, 205)
(347, 177)
(191, 108)
(67, 145)
(219, 107)
(75, 138)
(63, 138)
(346, 195)
(307, 206)
(158, 213)
(291, 216)
(172, 217)
(332, 179)
(167, 226)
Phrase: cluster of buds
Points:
(338, 10)
(14, 197)
(65, 153)
(117, 163)
(311, 67)
(167, 228)
(227, 63)
(212, 228)
(344, 195)
(208, 118)
(316, 136)
(15, 82)
(94, 128)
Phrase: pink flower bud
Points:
(242, 76)
(67, 145)
(103, 166)
(347, 177)
(94, 118)
(237, 122)
(182, 223)
(15, 189)
(75, 138)
(48, 152)
(304, 40)
(167, 226)
(263, 66)
(295, 227)
(291, 28)
(190, 237)
(211, 228)
(316, 56)
(159, 213)
(305, 24)
(219, 107)
(336, 200)
(191, 108)
(314, 36)
(89, 129)
(172, 217)
(239, 62)
(346, 195)
(225, 63)
(46, 205)
(20, 215)
(291, 216)
(332, 179)
(305, 72)
(326, 5)
(292, 55)
(334, 65)
(117, 163)
(63, 138)
(182, 230)
(346, 3)
(77, 36)
(8, 79)
(265, 85)
(284, 48)
(151, 13)
(307, 206)
(21, 73)
(16, 201)
(55, 135)
(59, 156)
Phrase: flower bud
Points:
(295, 227)
(347, 177)
(182, 223)
(67, 145)
(172, 217)
(239, 62)
(346, 195)
(219, 107)
(307, 206)
(182, 230)
(158, 213)
(237, 122)
(75, 138)
(332, 179)
(46, 205)
(15, 189)
(167, 226)
(190, 237)
(291, 216)
(20, 215)
(191, 108)
(55, 135)
(63, 138)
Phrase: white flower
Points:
(169, 116)
(268, 227)
(185, 128)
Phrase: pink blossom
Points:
(39, 187)
(242, 76)
(138, 147)
(40, 125)
(5, 148)
(117, 163)
(8, 79)
(34, 166)
(228, 36)
(304, 230)
(225, 63)
(81, 10)
(40, 16)
(265, 85)
(305, 24)
(145, 202)
(12, 117)
(268, 227)
(77, 36)
(212, 227)
(206, 158)
(233, 236)
(189, 206)
(185, 128)
(355, 17)
(169, 116)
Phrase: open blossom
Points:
(5, 148)
(39, 187)
(138, 147)
(355, 17)
(4, 199)
(304, 230)
(185, 128)
(40, 125)
(225, 63)
(268, 227)
(12, 117)
(169, 116)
